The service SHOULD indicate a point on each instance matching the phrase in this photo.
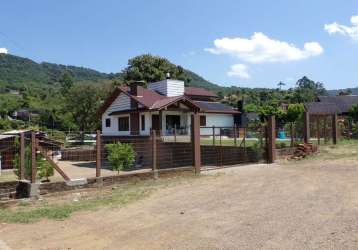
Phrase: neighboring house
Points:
(165, 105)
(341, 103)
(24, 115)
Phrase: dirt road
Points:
(306, 205)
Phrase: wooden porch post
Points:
(160, 122)
(271, 129)
(98, 154)
(334, 128)
(306, 127)
(22, 156)
(33, 157)
(195, 130)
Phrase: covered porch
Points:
(168, 119)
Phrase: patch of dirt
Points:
(310, 204)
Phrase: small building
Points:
(342, 103)
(165, 106)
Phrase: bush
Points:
(121, 156)
(44, 169)
(355, 131)
(281, 145)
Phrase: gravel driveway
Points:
(311, 204)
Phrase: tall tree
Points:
(66, 81)
(82, 102)
(307, 90)
(152, 68)
(280, 85)
(293, 114)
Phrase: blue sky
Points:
(229, 42)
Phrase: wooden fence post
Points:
(235, 136)
(154, 153)
(334, 128)
(33, 157)
(306, 127)
(318, 125)
(22, 157)
(98, 154)
(271, 129)
(195, 125)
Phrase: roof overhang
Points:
(112, 97)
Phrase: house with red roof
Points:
(164, 106)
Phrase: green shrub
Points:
(120, 155)
(281, 145)
(44, 169)
(355, 131)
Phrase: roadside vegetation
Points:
(59, 208)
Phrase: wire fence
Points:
(63, 155)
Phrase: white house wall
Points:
(217, 120)
(122, 102)
(168, 87)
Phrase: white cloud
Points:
(351, 31)
(239, 70)
(262, 49)
(3, 51)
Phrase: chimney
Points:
(168, 75)
(134, 87)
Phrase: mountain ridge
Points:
(16, 72)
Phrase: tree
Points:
(120, 155)
(353, 113)
(66, 82)
(82, 103)
(281, 84)
(307, 90)
(8, 104)
(44, 169)
(151, 69)
(293, 113)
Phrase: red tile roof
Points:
(198, 92)
(154, 101)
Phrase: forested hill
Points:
(17, 71)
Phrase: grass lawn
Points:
(61, 208)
